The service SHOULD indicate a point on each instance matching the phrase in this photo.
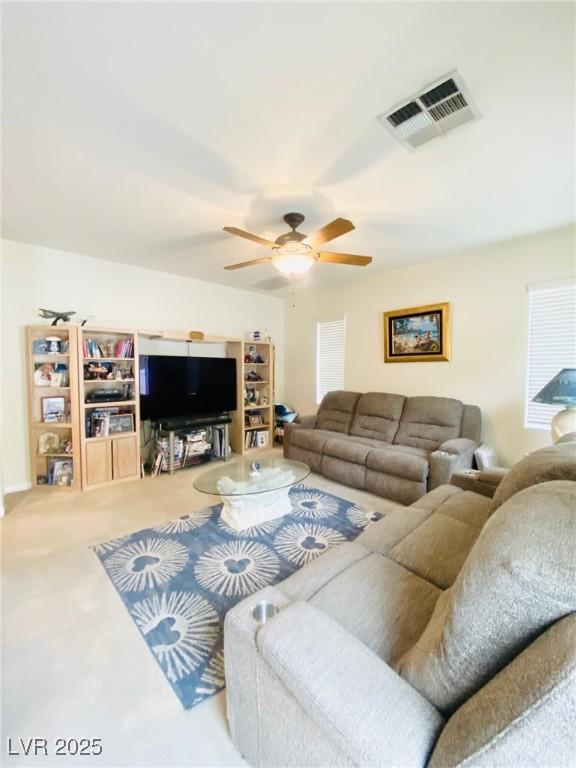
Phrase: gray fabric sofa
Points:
(445, 635)
(394, 446)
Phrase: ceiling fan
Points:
(294, 253)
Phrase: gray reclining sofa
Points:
(394, 446)
(444, 635)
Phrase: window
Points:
(551, 344)
(330, 336)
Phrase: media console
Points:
(183, 443)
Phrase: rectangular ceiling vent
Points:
(432, 112)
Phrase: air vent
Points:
(432, 112)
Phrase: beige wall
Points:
(486, 288)
(116, 295)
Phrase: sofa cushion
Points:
(518, 579)
(555, 462)
(393, 487)
(436, 549)
(426, 422)
(336, 411)
(311, 439)
(377, 416)
(399, 463)
(389, 614)
(348, 449)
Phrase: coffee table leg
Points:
(240, 512)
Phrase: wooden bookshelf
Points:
(54, 445)
(251, 394)
(108, 362)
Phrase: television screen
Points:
(184, 387)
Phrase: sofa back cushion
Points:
(377, 416)
(336, 411)
(517, 580)
(426, 422)
(555, 462)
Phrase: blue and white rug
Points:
(178, 579)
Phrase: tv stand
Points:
(194, 421)
(174, 438)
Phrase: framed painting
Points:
(418, 334)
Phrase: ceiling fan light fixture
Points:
(293, 259)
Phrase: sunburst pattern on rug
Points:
(362, 517)
(180, 627)
(185, 522)
(303, 542)
(237, 568)
(179, 578)
(146, 564)
(252, 532)
(315, 505)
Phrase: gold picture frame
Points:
(417, 334)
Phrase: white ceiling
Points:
(134, 131)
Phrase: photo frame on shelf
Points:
(53, 409)
(121, 422)
(255, 419)
(49, 442)
(60, 472)
(43, 374)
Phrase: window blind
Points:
(551, 345)
(330, 341)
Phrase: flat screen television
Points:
(174, 388)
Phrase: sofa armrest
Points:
(300, 422)
(306, 422)
(493, 476)
(458, 446)
(449, 457)
(483, 481)
(357, 700)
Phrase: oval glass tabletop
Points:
(242, 478)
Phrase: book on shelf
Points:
(119, 349)
(257, 438)
(187, 449)
(60, 472)
(102, 422)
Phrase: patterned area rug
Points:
(178, 579)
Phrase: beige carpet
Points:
(73, 663)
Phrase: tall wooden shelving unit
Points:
(114, 457)
(263, 389)
(67, 429)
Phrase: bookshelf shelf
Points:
(107, 359)
(108, 455)
(47, 356)
(54, 445)
(109, 404)
(257, 407)
(107, 381)
(243, 435)
(60, 455)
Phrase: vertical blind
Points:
(330, 338)
(551, 344)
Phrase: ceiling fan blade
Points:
(329, 232)
(250, 236)
(345, 258)
(248, 263)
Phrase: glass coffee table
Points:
(253, 491)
